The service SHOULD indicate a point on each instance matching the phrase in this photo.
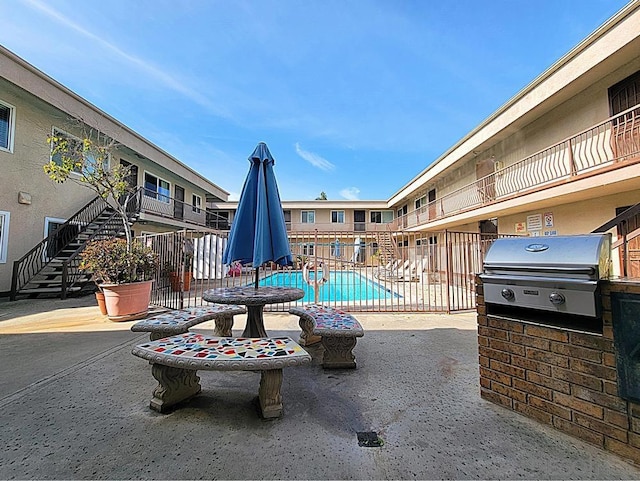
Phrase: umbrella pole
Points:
(257, 276)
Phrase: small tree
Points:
(86, 160)
(322, 196)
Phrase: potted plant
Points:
(118, 265)
(180, 275)
(124, 273)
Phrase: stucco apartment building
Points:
(33, 106)
(560, 157)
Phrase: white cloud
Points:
(314, 159)
(350, 193)
(154, 72)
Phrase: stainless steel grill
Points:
(556, 273)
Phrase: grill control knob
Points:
(508, 294)
(556, 298)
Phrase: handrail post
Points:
(65, 274)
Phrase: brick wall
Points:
(559, 377)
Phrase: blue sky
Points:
(353, 97)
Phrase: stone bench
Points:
(179, 321)
(175, 361)
(336, 329)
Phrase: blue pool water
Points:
(342, 286)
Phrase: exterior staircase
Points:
(387, 247)
(51, 268)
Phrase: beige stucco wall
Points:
(22, 172)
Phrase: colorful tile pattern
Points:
(179, 320)
(328, 319)
(199, 351)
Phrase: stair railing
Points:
(30, 264)
(71, 274)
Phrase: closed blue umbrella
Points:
(259, 232)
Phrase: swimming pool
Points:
(341, 287)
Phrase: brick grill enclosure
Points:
(561, 377)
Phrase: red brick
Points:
(597, 370)
(577, 378)
(483, 361)
(547, 357)
(578, 352)
(576, 404)
(507, 369)
(609, 359)
(579, 431)
(532, 412)
(547, 333)
(590, 341)
(507, 347)
(483, 321)
(599, 398)
(483, 341)
(509, 392)
(634, 440)
(529, 341)
(493, 354)
(495, 376)
(494, 333)
(495, 398)
(634, 409)
(506, 325)
(485, 383)
(555, 384)
(550, 407)
(531, 388)
(607, 332)
(530, 365)
(622, 449)
(616, 418)
(600, 427)
(610, 387)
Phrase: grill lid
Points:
(576, 256)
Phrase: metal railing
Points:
(30, 264)
(607, 144)
(431, 274)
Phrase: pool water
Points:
(342, 286)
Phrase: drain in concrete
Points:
(369, 439)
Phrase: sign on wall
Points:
(548, 219)
(521, 227)
(534, 222)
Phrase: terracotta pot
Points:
(126, 302)
(101, 303)
(174, 279)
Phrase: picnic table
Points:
(254, 299)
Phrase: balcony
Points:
(612, 144)
(177, 211)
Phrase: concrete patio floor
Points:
(74, 405)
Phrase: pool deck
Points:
(74, 405)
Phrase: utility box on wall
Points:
(625, 310)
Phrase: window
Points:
(287, 218)
(4, 235)
(381, 216)
(157, 188)
(421, 201)
(337, 216)
(196, 203)
(308, 217)
(308, 249)
(76, 152)
(6, 127)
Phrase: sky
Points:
(354, 98)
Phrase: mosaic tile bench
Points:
(179, 321)
(335, 328)
(175, 361)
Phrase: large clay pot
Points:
(101, 303)
(126, 302)
(174, 279)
